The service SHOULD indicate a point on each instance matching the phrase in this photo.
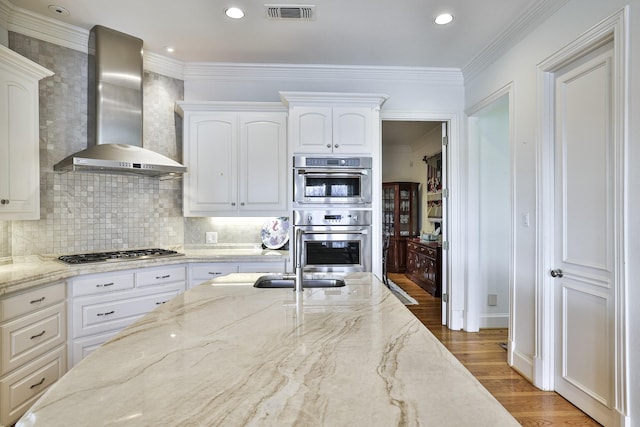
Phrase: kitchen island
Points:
(226, 353)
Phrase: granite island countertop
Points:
(227, 354)
(35, 270)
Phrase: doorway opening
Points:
(414, 171)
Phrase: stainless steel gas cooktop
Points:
(129, 255)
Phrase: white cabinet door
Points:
(352, 130)
(19, 145)
(210, 148)
(236, 163)
(263, 163)
(331, 129)
(311, 129)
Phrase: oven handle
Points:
(336, 232)
(332, 171)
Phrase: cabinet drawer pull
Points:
(163, 277)
(215, 273)
(107, 313)
(104, 285)
(160, 302)
(37, 384)
(38, 335)
(35, 301)
(4, 201)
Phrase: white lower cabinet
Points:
(200, 273)
(104, 304)
(82, 347)
(262, 267)
(33, 327)
(20, 389)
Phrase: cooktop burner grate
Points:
(135, 254)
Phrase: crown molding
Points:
(54, 31)
(47, 29)
(244, 72)
(535, 15)
(163, 65)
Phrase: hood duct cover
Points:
(115, 105)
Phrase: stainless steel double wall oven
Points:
(332, 210)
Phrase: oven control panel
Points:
(332, 217)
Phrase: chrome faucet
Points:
(298, 283)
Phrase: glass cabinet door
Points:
(388, 209)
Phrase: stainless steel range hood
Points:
(115, 111)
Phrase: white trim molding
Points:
(616, 29)
(537, 13)
(455, 257)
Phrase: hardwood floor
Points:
(481, 353)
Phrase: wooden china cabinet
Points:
(400, 216)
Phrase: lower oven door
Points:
(335, 248)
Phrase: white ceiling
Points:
(344, 32)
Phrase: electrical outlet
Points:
(492, 300)
(211, 237)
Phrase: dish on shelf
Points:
(275, 233)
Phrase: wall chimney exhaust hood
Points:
(115, 112)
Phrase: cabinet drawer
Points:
(98, 314)
(101, 283)
(22, 388)
(28, 337)
(29, 301)
(262, 267)
(208, 271)
(157, 276)
(82, 347)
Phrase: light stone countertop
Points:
(30, 271)
(227, 354)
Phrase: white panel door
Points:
(211, 181)
(263, 162)
(584, 235)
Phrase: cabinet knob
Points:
(233, 203)
(242, 204)
(335, 146)
(328, 145)
(4, 201)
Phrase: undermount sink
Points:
(278, 281)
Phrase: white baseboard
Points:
(521, 363)
(498, 320)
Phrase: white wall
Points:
(494, 216)
(519, 66)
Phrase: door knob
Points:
(557, 273)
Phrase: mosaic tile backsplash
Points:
(93, 212)
(88, 212)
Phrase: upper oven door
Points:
(329, 187)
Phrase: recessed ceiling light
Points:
(234, 12)
(444, 18)
(58, 10)
(169, 49)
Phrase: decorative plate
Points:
(275, 232)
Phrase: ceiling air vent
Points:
(290, 11)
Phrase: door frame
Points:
(473, 296)
(453, 259)
(615, 29)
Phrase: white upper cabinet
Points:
(236, 158)
(19, 133)
(341, 123)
